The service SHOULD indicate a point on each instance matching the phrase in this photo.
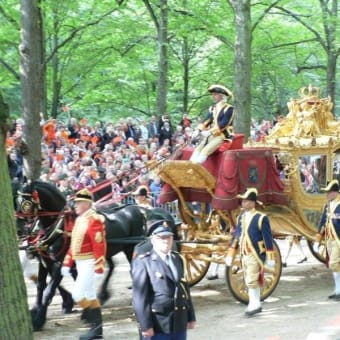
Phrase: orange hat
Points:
(83, 121)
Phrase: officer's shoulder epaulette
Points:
(141, 256)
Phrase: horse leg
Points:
(103, 294)
(38, 312)
(68, 302)
(128, 251)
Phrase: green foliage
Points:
(105, 56)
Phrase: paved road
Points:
(298, 308)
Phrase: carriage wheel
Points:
(321, 254)
(196, 268)
(236, 283)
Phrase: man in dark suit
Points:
(161, 295)
(153, 128)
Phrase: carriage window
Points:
(313, 170)
(336, 165)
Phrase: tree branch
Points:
(10, 69)
(75, 32)
(264, 14)
(305, 24)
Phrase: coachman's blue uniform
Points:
(220, 118)
(255, 236)
(329, 225)
(329, 229)
(160, 301)
(216, 127)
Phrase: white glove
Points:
(228, 261)
(195, 134)
(316, 246)
(65, 271)
(206, 133)
(270, 264)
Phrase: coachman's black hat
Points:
(250, 195)
(332, 186)
(220, 89)
(141, 191)
(83, 195)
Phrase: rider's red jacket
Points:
(88, 240)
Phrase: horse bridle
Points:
(31, 212)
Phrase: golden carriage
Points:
(289, 168)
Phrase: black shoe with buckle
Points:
(335, 297)
(212, 277)
(303, 260)
(253, 312)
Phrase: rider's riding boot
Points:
(85, 304)
(254, 305)
(84, 315)
(94, 316)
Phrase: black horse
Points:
(43, 204)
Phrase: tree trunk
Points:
(331, 76)
(242, 78)
(186, 68)
(32, 79)
(163, 58)
(15, 321)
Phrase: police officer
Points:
(217, 126)
(329, 229)
(161, 295)
(87, 250)
(253, 233)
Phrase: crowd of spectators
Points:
(76, 154)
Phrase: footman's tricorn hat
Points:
(250, 195)
(83, 195)
(162, 228)
(331, 186)
(220, 89)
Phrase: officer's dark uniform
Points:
(160, 301)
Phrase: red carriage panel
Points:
(234, 171)
(241, 169)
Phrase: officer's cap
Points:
(162, 228)
(156, 224)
